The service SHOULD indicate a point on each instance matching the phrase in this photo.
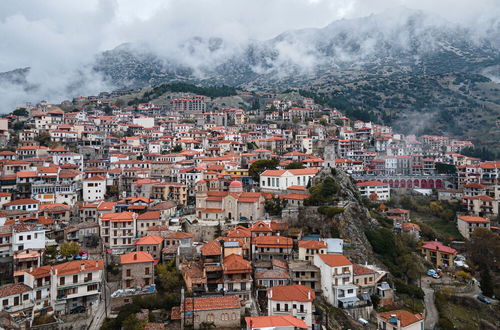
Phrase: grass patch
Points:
(445, 228)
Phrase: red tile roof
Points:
(234, 263)
(335, 260)
(13, 289)
(273, 241)
(211, 303)
(360, 270)
(78, 266)
(371, 183)
(313, 244)
(149, 240)
(150, 215)
(470, 218)
(294, 292)
(274, 321)
(406, 318)
(211, 248)
(136, 257)
(438, 246)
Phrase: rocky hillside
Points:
(341, 214)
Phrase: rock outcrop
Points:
(350, 224)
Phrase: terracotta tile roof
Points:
(211, 248)
(406, 318)
(335, 260)
(294, 292)
(149, 240)
(150, 215)
(407, 226)
(273, 241)
(119, 217)
(271, 274)
(41, 272)
(136, 257)
(470, 218)
(438, 246)
(179, 235)
(239, 232)
(95, 178)
(75, 267)
(275, 321)
(260, 226)
(23, 201)
(360, 270)
(236, 264)
(13, 289)
(211, 303)
(313, 245)
(371, 183)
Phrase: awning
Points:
(349, 300)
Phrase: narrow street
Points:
(431, 312)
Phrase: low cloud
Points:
(58, 39)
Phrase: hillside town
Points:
(191, 214)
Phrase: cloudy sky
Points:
(57, 37)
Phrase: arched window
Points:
(233, 316)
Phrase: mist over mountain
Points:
(396, 41)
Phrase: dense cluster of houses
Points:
(141, 185)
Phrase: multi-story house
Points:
(117, 231)
(278, 181)
(17, 300)
(295, 300)
(468, 224)
(438, 254)
(337, 279)
(94, 188)
(237, 277)
(272, 247)
(375, 190)
(224, 312)
(152, 244)
(307, 249)
(304, 273)
(400, 320)
(38, 279)
(137, 269)
(364, 278)
(28, 236)
(75, 283)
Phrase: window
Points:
(16, 301)
(5, 302)
(286, 307)
(29, 237)
(61, 281)
(146, 271)
(25, 297)
(75, 278)
(92, 287)
(278, 307)
(20, 237)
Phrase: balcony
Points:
(293, 311)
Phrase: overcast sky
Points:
(55, 37)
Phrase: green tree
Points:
(132, 323)
(21, 112)
(295, 166)
(260, 166)
(177, 148)
(274, 206)
(69, 249)
(51, 251)
(486, 281)
(168, 277)
(43, 138)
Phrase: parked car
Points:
(77, 310)
(433, 273)
(484, 299)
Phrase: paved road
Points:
(431, 312)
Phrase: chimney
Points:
(270, 295)
(31, 269)
(309, 295)
(135, 256)
(97, 263)
(82, 266)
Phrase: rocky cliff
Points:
(350, 223)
